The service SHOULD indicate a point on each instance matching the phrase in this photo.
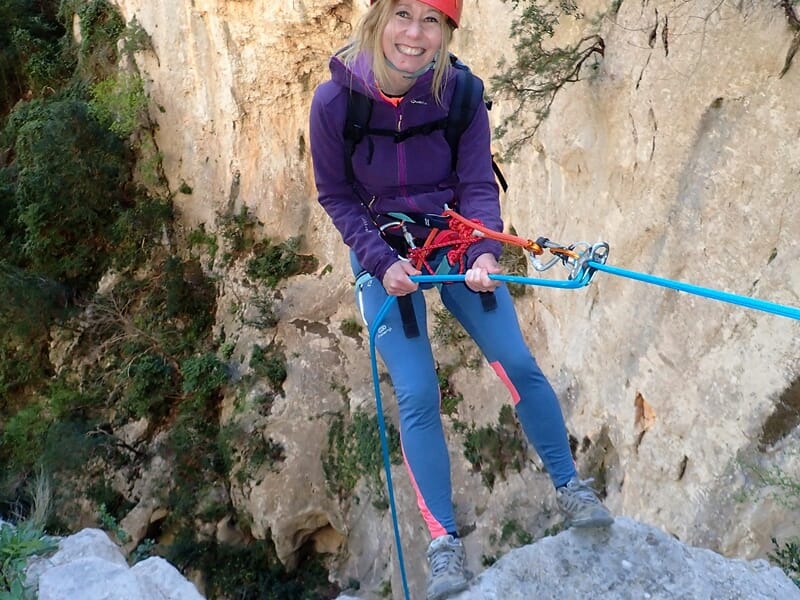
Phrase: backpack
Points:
(467, 95)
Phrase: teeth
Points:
(409, 51)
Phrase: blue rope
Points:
(583, 278)
(770, 307)
(387, 467)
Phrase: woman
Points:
(395, 59)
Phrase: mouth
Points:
(409, 50)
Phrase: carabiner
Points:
(597, 252)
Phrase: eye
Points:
(432, 19)
(403, 14)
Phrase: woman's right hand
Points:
(396, 280)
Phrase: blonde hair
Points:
(367, 39)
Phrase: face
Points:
(413, 35)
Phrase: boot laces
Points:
(446, 559)
(581, 491)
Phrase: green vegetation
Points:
(119, 103)
(787, 557)
(69, 178)
(101, 26)
(450, 398)
(244, 452)
(354, 451)
(493, 450)
(251, 571)
(512, 535)
(273, 263)
(34, 57)
(771, 481)
(111, 525)
(448, 332)
(19, 543)
(270, 363)
(105, 322)
(539, 69)
(351, 328)
(237, 231)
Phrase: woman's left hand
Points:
(477, 277)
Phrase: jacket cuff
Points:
(383, 263)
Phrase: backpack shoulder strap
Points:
(356, 124)
(467, 96)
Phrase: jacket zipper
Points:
(401, 156)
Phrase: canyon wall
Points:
(678, 147)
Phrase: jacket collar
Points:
(361, 78)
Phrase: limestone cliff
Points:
(678, 147)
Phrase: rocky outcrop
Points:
(630, 560)
(89, 566)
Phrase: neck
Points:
(397, 85)
(401, 81)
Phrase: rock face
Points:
(630, 560)
(89, 566)
(678, 147)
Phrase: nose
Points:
(414, 28)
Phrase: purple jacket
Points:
(412, 176)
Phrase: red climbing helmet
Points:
(451, 8)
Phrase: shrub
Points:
(251, 571)
(70, 182)
(151, 379)
(32, 50)
(119, 103)
(450, 398)
(30, 304)
(351, 328)
(787, 557)
(24, 435)
(138, 230)
(101, 26)
(203, 375)
(17, 545)
(271, 264)
(270, 363)
(493, 450)
(354, 451)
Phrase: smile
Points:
(409, 51)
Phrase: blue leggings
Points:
(412, 369)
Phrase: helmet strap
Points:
(416, 73)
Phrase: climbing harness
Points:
(581, 260)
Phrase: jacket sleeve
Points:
(335, 194)
(477, 192)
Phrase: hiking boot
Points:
(581, 505)
(447, 575)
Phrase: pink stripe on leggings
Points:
(501, 373)
(434, 526)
